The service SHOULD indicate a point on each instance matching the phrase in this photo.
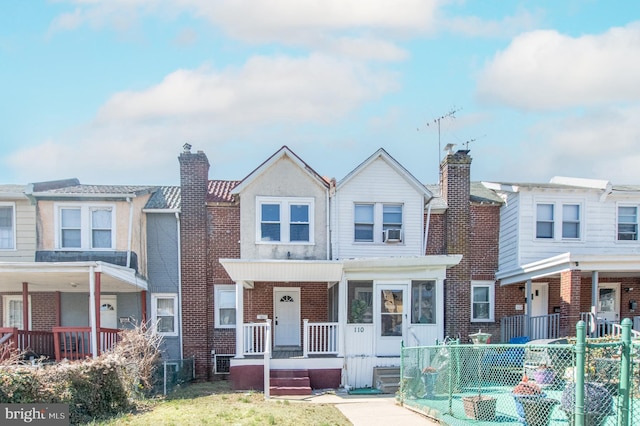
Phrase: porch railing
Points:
(74, 343)
(32, 343)
(255, 337)
(540, 327)
(320, 338)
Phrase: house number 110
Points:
(359, 329)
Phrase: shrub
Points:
(597, 399)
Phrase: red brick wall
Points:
(436, 243)
(570, 289)
(43, 310)
(197, 292)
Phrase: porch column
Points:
(239, 319)
(570, 282)
(58, 309)
(94, 308)
(25, 306)
(527, 324)
(143, 306)
(342, 315)
(594, 303)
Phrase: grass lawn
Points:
(213, 403)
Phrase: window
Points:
(360, 305)
(164, 310)
(12, 308)
(364, 222)
(85, 227)
(423, 302)
(284, 220)
(544, 221)
(225, 306)
(482, 301)
(627, 223)
(7, 230)
(377, 222)
(570, 221)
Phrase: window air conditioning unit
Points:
(392, 235)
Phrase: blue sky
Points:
(108, 91)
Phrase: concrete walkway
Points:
(367, 410)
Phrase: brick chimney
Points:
(455, 175)
(197, 293)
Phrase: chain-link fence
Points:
(532, 384)
(173, 372)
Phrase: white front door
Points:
(608, 305)
(391, 319)
(539, 309)
(108, 311)
(286, 305)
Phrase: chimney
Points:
(455, 172)
(196, 287)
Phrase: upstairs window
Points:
(85, 227)
(364, 222)
(284, 220)
(544, 221)
(392, 222)
(627, 223)
(7, 227)
(571, 221)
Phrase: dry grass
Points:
(215, 404)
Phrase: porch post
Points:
(239, 319)
(527, 325)
(58, 309)
(594, 301)
(25, 306)
(342, 316)
(93, 312)
(143, 304)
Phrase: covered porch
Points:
(559, 291)
(28, 287)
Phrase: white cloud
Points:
(473, 26)
(543, 70)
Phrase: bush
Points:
(597, 399)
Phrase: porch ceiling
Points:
(68, 277)
(283, 270)
(606, 266)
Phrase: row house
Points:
(571, 247)
(330, 277)
(74, 266)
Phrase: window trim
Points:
(5, 309)
(637, 223)
(13, 226)
(86, 227)
(285, 204)
(372, 224)
(154, 312)
(218, 289)
(492, 300)
(378, 222)
(558, 219)
(579, 222)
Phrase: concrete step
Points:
(290, 382)
(387, 379)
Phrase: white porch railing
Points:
(604, 327)
(540, 327)
(320, 338)
(255, 338)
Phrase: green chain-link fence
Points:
(173, 372)
(531, 384)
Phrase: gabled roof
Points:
(221, 191)
(384, 155)
(281, 153)
(166, 198)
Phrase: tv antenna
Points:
(436, 121)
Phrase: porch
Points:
(71, 343)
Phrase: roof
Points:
(221, 191)
(479, 194)
(11, 191)
(100, 190)
(165, 198)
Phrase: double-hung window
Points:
(7, 227)
(284, 220)
(555, 221)
(377, 222)
(482, 301)
(544, 221)
(570, 221)
(225, 306)
(364, 222)
(164, 310)
(85, 227)
(627, 223)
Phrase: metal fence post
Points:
(581, 343)
(625, 376)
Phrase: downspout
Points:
(130, 236)
(426, 230)
(328, 216)
(179, 284)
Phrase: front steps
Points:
(290, 382)
(386, 379)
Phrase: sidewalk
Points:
(367, 410)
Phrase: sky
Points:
(108, 91)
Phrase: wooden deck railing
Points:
(32, 343)
(74, 343)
